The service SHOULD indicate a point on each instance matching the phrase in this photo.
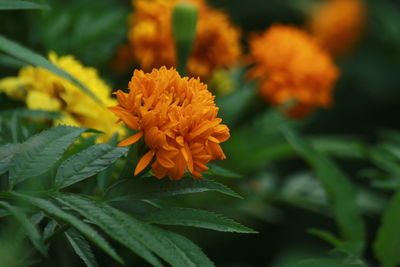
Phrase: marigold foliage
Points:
(152, 44)
(338, 24)
(177, 118)
(292, 67)
(41, 89)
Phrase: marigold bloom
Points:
(338, 24)
(291, 66)
(177, 118)
(152, 44)
(41, 89)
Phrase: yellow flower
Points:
(177, 118)
(291, 66)
(338, 24)
(151, 40)
(41, 89)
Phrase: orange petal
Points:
(213, 139)
(131, 140)
(144, 161)
(126, 117)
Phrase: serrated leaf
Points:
(154, 188)
(129, 231)
(87, 163)
(40, 152)
(81, 247)
(24, 54)
(387, 243)
(196, 218)
(115, 226)
(57, 213)
(192, 251)
(338, 190)
(28, 226)
(7, 152)
(16, 5)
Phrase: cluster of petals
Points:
(41, 89)
(291, 66)
(338, 24)
(176, 117)
(216, 45)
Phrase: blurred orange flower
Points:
(152, 44)
(291, 66)
(338, 24)
(177, 118)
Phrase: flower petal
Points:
(131, 140)
(144, 161)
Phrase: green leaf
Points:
(87, 163)
(340, 146)
(118, 226)
(326, 236)
(104, 177)
(49, 229)
(57, 213)
(330, 263)
(196, 218)
(41, 151)
(221, 172)
(338, 189)
(24, 54)
(139, 236)
(154, 188)
(15, 5)
(28, 226)
(31, 113)
(387, 243)
(7, 152)
(81, 247)
(192, 251)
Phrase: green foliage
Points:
(387, 243)
(16, 4)
(150, 188)
(196, 218)
(81, 247)
(136, 235)
(40, 152)
(57, 213)
(339, 192)
(30, 228)
(87, 163)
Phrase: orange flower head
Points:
(338, 24)
(151, 39)
(177, 118)
(291, 66)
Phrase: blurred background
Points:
(283, 200)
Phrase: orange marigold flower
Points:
(338, 24)
(177, 118)
(291, 66)
(151, 40)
